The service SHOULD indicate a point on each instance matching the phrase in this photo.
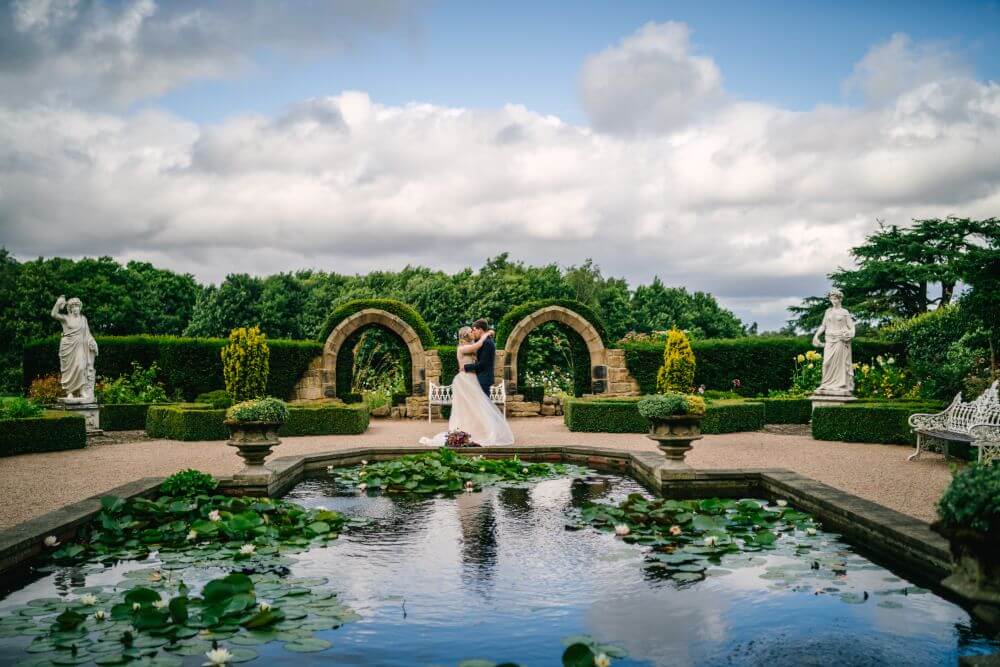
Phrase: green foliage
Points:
(190, 366)
(555, 356)
(401, 310)
(449, 362)
(52, 431)
(789, 410)
(219, 398)
(733, 416)
(245, 364)
(188, 482)
(191, 422)
(325, 419)
(808, 373)
(884, 378)
(18, 408)
(444, 471)
(506, 324)
(882, 422)
(124, 416)
(138, 386)
(677, 372)
(399, 397)
(655, 307)
(533, 393)
(761, 364)
(269, 410)
(621, 415)
(972, 500)
(661, 406)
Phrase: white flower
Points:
(159, 604)
(320, 508)
(363, 462)
(329, 468)
(193, 535)
(136, 606)
(621, 530)
(675, 530)
(810, 531)
(362, 486)
(524, 471)
(214, 516)
(265, 606)
(247, 550)
(711, 541)
(100, 615)
(782, 503)
(218, 656)
(51, 541)
(88, 600)
(602, 660)
(890, 360)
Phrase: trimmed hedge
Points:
(189, 365)
(401, 310)
(506, 325)
(54, 431)
(194, 421)
(448, 354)
(533, 394)
(786, 410)
(760, 364)
(882, 422)
(621, 415)
(124, 416)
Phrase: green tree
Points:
(233, 304)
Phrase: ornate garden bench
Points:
(977, 423)
(440, 394)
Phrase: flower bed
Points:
(197, 421)
(53, 431)
(881, 422)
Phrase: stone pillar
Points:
(91, 413)
(310, 385)
(620, 382)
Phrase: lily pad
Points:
(308, 645)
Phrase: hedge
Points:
(882, 422)
(53, 431)
(124, 416)
(786, 410)
(533, 393)
(621, 415)
(401, 310)
(760, 364)
(189, 365)
(193, 421)
(506, 324)
(448, 354)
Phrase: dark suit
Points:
(485, 360)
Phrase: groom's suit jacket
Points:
(483, 368)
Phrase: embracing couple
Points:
(472, 410)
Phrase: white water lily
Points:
(602, 660)
(218, 656)
(810, 531)
(100, 615)
(320, 508)
(364, 462)
(711, 541)
(136, 606)
(329, 468)
(88, 600)
(675, 530)
(159, 604)
(247, 550)
(362, 486)
(782, 503)
(524, 471)
(214, 516)
(621, 530)
(51, 541)
(193, 535)
(265, 606)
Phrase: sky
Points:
(737, 148)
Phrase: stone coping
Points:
(906, 542)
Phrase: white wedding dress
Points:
(472, 411)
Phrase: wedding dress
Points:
(472, 411)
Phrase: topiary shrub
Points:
(883, 422)
(533, 393)
(786, 410)
(52, 431)
(325, 419)
(972, 500)
(187, 421)
(677, 372)
(269, 410)
(673, 404)
(604, 415)
(449, 362)
(217, 399)
(124, 416)
(188, 483)
(732, 416)
(245, 364)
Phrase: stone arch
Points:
(372, 317)
(570, 318)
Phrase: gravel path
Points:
(34, 484)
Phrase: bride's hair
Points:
(464, 334)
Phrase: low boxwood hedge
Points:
(195, 421)
(124, 416)
(786, 410)
(732, 416)
(53, 431)
(621, 415)
(879, 422)
(533, 393)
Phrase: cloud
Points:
(754, 203)
(99, 53)
(649, 82)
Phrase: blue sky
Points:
(486, 54)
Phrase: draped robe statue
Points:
(838, 367)
(77, 352)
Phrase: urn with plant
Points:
(253, 430)
(675, 422)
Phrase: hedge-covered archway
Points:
(517, 325)
(348, 319)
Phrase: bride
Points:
(472, 410)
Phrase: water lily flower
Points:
(100, 615)
(192, 536)
(524, 471)
(247, 550)
(602, 660)
(362, 486)
(810, 531)
(320, 508)
(136, 606)
(51, 541)
(621, 530)
(88, 600)
(711, 541)
(364, 462)
(329, 468)
(265, 606)
(675, 530)
(159, 604)
(214, 516)
(218, 656)
(782, 503)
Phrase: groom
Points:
(485, 356)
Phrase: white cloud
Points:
(900, 65)
(755, 203)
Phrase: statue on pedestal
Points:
(838, 368)
(77, 352)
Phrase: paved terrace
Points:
(34, 484)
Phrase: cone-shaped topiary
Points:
(245, 364)
(677, 372)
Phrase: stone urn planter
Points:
(674, 436)
(254, 441)
(975, 576)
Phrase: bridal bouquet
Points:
(458, 439)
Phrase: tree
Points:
(981, 272)
(233, 304)
(677, 372)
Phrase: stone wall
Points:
(310, 385)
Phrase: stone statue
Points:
(77, 352)
(838, 369)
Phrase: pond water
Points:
(496, 575)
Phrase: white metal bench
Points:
(441, 394)
(977, 423)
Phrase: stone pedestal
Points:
(91, 413)
(254, 441)
(825, 400)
